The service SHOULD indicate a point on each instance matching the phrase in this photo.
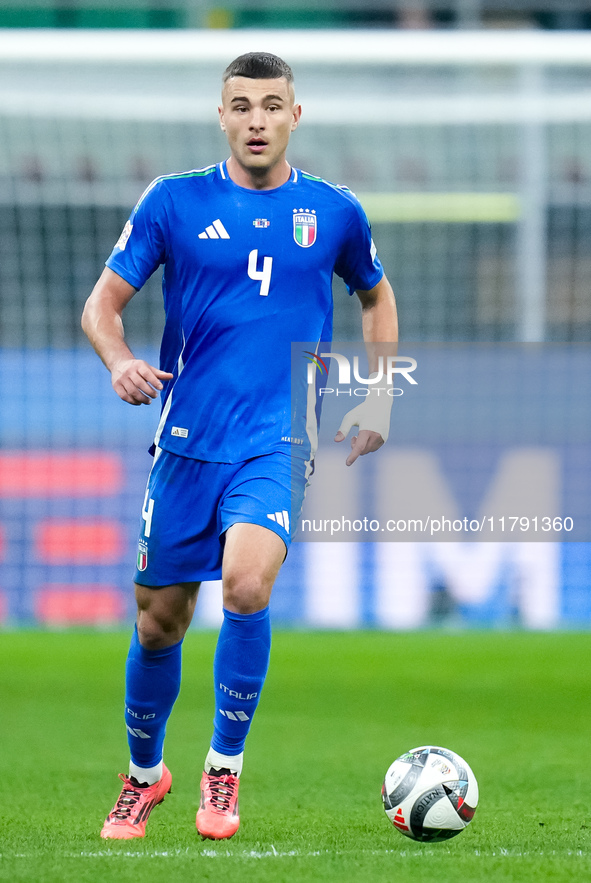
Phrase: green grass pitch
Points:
(336, 711)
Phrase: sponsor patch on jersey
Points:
(304, 227)
(180, 431)
(261, 222)
(125, 234)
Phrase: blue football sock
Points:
(239, 669)
(152, 681)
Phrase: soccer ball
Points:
(430, 794)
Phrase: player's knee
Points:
(159, 629)
(164, 615)
(155, 636)
(245, 593)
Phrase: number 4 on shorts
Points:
(147, 512)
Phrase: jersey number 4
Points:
(263, 276)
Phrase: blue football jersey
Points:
(246, 273)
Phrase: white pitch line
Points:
(195, 852)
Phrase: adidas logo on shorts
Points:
(281, 518)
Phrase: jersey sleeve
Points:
(142, 246)
(358, 264)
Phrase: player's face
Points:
(258, 117)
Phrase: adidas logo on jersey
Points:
(215, 231)
(281, 518)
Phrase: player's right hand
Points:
(137, 382)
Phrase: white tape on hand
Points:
(373, 413)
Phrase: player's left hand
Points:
(372, 417)
(364, 443)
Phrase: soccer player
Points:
(249, 247)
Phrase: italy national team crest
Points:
(142, 556)
(304, 227)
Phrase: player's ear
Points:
(296, 115)
(221, 115)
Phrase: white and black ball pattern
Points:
(430, 794)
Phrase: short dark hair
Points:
(258, 66)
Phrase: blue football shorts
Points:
(189, 504)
